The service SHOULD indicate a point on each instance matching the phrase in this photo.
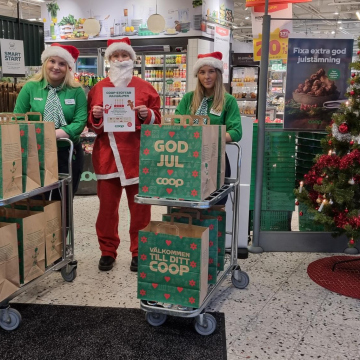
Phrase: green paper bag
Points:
(10, 158)
(219, 212)
(31, 241)
(9, 260)
(173, 256)
(178, 161)
(184, 216)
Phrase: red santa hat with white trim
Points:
(68, 52)
(212, 59)
(118, 45)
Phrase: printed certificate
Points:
(118, 104)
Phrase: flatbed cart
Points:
(10, 318)
(205, 324)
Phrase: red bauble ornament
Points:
(353, 74)
(351, 142)
(301, 213)
(296, 203)
(317, 208)
(351, 242)
(352, 82)
(346, 211)
(319, 180)
(358, 52)
(343, 128)
(330, 142)
(352, 92)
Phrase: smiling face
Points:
(120, 55)
(56, 68)
(207, 77)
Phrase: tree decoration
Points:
(331, 189)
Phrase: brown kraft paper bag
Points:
(47, 148)
(10, 158)
(9, 260)
(31, 241)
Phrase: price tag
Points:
(278, 48)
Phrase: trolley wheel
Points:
(69, 277)
(155, 319)
(209, 325)
(13, 321)
(240, 279)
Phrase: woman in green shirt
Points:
(210, 98)
(54, 93)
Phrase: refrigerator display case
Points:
(166, 72)
(244, 87)
(87, 65)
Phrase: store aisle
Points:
(281, 315)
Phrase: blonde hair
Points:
(69, 80)
(219, 94)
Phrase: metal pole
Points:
(264, 64)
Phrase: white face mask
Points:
(121, 72)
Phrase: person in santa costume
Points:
(116, 154)
(210, 98)
(54, 93)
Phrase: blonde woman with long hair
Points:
(210, 98)
(54, 93)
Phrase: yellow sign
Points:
(278, 46)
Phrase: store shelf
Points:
(170, 107)
(137, 65)
(175, 65)
(249, 115)
(87, 66)
(244, 99)
(242, 84)
(154, 79)
(277, 81)
(154, 65)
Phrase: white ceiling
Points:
(317, 11)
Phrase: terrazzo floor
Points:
(282, 314)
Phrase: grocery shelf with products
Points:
(244, 87)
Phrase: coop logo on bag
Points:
(174, 182)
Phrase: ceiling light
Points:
(340, 27)
(333, 32)
(358, 14)
(339, 22)
(336, 13)
(247, 18)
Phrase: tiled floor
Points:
(282, 314)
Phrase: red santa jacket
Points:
(116, 154)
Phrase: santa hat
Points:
(67, 52)
(212, 59)
(117, 45)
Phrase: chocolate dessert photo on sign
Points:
(318, 71)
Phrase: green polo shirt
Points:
(32, 98)
(230, 115)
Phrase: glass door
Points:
(88, 65)
(175, 81)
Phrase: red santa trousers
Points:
(109, 193)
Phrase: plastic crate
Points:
(273, 220)
(306, 221)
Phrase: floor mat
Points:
(345, 280)
(80, 332)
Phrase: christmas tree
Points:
(331, 189)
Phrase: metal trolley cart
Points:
(205, 324)
(10, 318)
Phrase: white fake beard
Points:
(121, 72)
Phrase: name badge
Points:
(69, 101)
(217, 113)
(38, 99)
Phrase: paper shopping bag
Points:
(178, 161)
(47, 148)
(31, 241)
(10, 158)
(30, 157)
(182, 215)
(219, 212)
(173, 263)
(221, 156)
(53, 230)
(9, 260)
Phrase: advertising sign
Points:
(279, 30)
(12, 57)
(222, 44)
(118, 109)
(317, 85)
